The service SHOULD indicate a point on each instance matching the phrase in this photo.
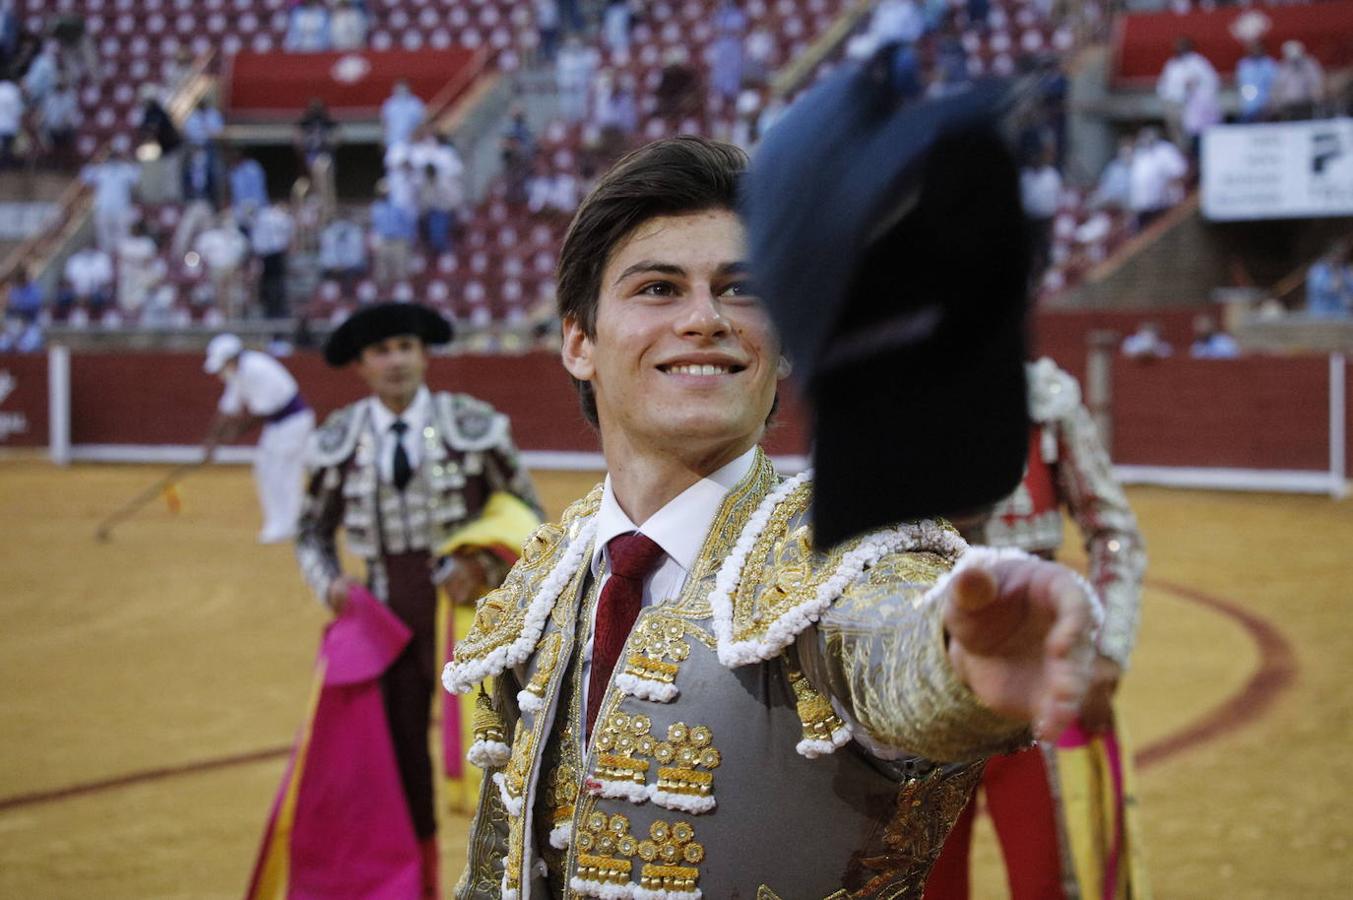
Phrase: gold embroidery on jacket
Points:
(670, 856)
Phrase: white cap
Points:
(222, 349)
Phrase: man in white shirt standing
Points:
(90, 273)
(401, 114)
(1154, 177)
(271, 239)
(113, 180)
(260, 391)
(1188, 71)
(1040, 188)
(224, 250)
(11, 120)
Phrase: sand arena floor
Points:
(151, 685)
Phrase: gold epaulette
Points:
(508, 620)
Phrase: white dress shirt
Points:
(89, 271)
(1180, 71)
(260, 384)
(416, 417)
(272, 231)
(679, 528)
(11, 108)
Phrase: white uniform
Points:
(262, 386)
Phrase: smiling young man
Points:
(691, 698)
(429, 492)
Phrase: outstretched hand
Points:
(1019, 637)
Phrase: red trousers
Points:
(1019, 801)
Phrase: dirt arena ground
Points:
(151, 683)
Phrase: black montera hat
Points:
(376, 323)
(889, 244)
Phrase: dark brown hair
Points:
(671, 177)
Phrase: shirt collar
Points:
(679, 528)
(416, 415)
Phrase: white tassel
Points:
(561, 836)
(489, 754)
(529, 702)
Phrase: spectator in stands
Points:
(678, 92)
(200, 194)
(614, 107)
(43, 73)
(394, 231)
(1146, 343)
(896, 22)
(1299, 88)
(574, 69)
(11, 120)
(1255, 74)
(519, 131)
(308, 29)
(401, 114)
(615, 26)
(730, 31)
(571, 14)
(758, 63)
(248, 188)
(443, 195)
(746, 112)
(342, 252)
(552, 194)
(204, 125)
(79, 57)
(22, 329)
(89, 277)
(113, 181)
(1154, 178)
(199, 178)
(548, 23)
(316, 141)
(403, 184)
(1210, 342)
(139, 269)
(518, 154)
(1040, 191)
(271, 239)
(1329, 283)
(347, 28)
(1115, 181)
(59, 119)
(1185, 69)
(10, 32)
(1201, 111)
(224, 251)
(158, 144)
(978, 11)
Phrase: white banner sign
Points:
(1287, 170)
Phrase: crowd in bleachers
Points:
(185, 230)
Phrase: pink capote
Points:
(350, 835)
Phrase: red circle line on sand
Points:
(1276, 672)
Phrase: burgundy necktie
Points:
(633, 558)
